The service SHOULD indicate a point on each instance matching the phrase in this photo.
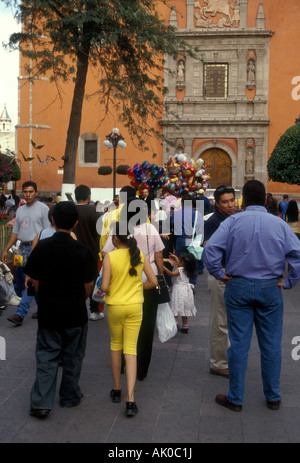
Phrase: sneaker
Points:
(94, 316)
(15, 300)
(16, 319)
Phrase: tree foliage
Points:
(126, 42)
(284, 163)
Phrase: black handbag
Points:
(162, 290)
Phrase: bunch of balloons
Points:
(179, 175)
(146, 176)
(185, 175)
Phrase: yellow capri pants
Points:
(124, 323)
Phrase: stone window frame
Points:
(88, 136)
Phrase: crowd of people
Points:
(129, 242)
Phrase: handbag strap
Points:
(195, 222)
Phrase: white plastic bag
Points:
(98, 295)
(165, 322)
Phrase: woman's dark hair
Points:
(189, 264)
(123, 234)
(292, 211)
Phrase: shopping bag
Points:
(165, 322)
(195, 247)
(20, 257)
(98, 295)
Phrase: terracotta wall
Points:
(282, 17)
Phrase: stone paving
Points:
(176, 401)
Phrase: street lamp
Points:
(113, 140)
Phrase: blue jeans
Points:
(259, 302)
(65, 345)
(20, 275)
(24, 304)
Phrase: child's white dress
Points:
(182, 297)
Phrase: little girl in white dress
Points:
(182, 297)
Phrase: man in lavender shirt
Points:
(256, 246)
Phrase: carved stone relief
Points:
(217, 13)
(251, 74)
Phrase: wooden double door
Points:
(218, 167)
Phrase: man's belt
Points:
(26, 243)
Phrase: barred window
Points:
(90, 151)
(215, 81)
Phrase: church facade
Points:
(229, 105)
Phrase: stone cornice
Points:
(215, 122)
(222, 32)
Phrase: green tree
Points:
(126, 40)
(284, 163)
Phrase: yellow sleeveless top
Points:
(124, 289)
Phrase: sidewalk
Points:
(176, 401)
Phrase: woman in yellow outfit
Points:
(122, 283)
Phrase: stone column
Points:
(243, 13)
(190, 7)
(240, 174)
(188, 142)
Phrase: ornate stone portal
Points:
(226, 89)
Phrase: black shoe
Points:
(16, 319)
(274, 405)
(115, 395)
(131, 409)
(222, 400)
(184, 330)
(40, 412)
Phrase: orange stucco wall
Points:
(283, 18)
(47, 109)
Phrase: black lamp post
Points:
(113, 140)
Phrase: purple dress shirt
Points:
(256, 245)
